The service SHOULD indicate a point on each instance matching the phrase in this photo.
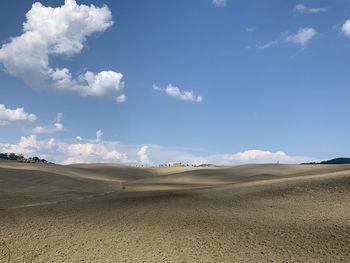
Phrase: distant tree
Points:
(3, 156)
(13, 156)
(36, 159)
(20, 157)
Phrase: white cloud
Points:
(179, 94)
(142, 154)
(302, 9)
(121, 98)
(219, 3)
(155, 87)
(99, 134)
(346, 28)
(30, 146)
(60, 31)
(59, 117)
(92, 152)
(302, 38)
(250, 29)
(269, 44)
(164, 155)
(66, 152)
(101, 151)
(259, 156)
(18, 114)
(52, 128)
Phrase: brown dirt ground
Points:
(250, 213)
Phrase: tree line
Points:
(21, 158)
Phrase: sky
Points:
(159, 81)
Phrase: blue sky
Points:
(204, 81)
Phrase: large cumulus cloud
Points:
(60, 31)
(13, 115)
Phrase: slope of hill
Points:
(25, 184)
(247, 213)
(341, 160)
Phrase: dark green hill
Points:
(341, 160)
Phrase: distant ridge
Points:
(341, 160)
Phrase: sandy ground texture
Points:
(113, 213)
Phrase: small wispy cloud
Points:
(302, 38)
(56, 127)
(121, 98)
(346, 28)
(268, 44)
(219, 3)
(250, 29)
(178, 93)
(302, 9)
(99, 135)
